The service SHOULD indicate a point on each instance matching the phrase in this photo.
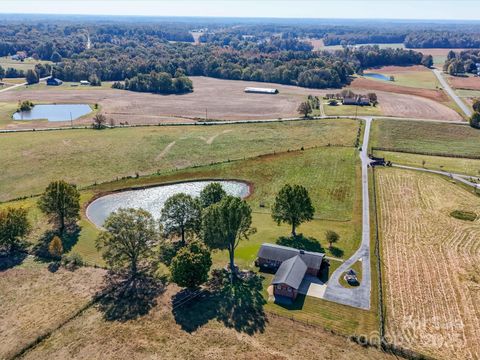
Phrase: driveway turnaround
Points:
(466, 110)
(356, 296)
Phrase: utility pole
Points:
(71, 120)
(206, 114)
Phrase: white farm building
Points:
(260, 90)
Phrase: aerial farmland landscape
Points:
(212, 180)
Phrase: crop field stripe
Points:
(421, 243)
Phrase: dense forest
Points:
(135, 52)
(462, 62)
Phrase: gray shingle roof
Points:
(280, 253)
(291, 272)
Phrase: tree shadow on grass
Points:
(127, 298)
(301, 242)
(69, 239)
(11, 260)
(238, 306)
(335, 251)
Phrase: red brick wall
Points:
(283, 290)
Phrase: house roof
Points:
(291, 272)
(281, 253)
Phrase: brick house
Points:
(290, 266)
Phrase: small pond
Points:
(54, 112)
(377, 76)
(153, 199)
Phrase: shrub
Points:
(464, 215)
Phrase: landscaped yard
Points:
(426, 137)
(351, 110)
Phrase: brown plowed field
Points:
(431, 264)
(436, 95)
(469, 83)
(222, 99)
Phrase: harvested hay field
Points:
(466, 83)
(222, 99)
(36, 301)
(188, 334)
(431, 264)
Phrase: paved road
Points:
(359, 296)
(457, 177)
(466, 109)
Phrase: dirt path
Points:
(165, 151)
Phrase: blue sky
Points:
(385, 9)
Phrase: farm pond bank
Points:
(54, 112)
(153, 199)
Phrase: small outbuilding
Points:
(84, 82)
(256, 90)
(51, 81)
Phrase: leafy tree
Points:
(2, 73)
(56, 57)
(211, 194)
(427, 61)
(129, 241)
(476, 105)
(14, 226)
(55, 247)
(305, 108)
(225, 224)
(32, 77)
(292, 206)
(181, 215)
(99, 121)
(61, 201)
(332, 237)
(475, 120)
(25, 105)
(190, 267)
(451, 55)
(94, 80)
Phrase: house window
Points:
(279, 287)
(289, 289)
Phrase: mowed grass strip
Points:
(31, 160)
(426, 137)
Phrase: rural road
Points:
(19, 85)
(466, 110)
(357, 296)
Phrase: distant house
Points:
(290, 266)
(261, 90)
(84, 82)
(361, 100)
(51, 81)
(20, 56)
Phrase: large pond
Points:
(377, 76)
(54, 112)
(153, 199)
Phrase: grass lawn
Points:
(342, 110)
(455, 165)
(6, 112)
(91, 156)
(416, 136)
(6, 62)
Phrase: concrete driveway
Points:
(312, 286)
